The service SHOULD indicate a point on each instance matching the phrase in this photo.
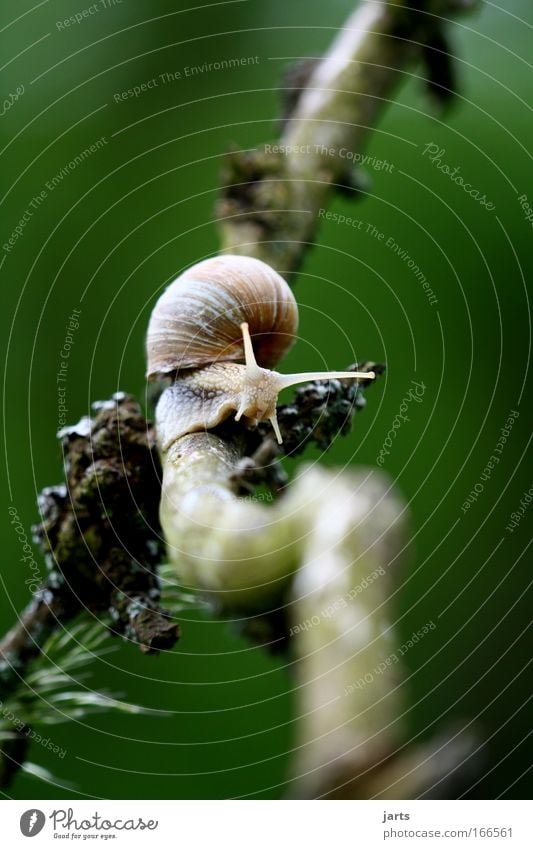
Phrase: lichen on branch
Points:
(101, 532)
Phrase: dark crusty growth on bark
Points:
(100, 536)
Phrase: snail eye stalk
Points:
(275, 382)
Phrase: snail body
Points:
(202, 325)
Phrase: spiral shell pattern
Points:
(197, 320)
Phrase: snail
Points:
(217, 314)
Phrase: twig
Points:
(271, 197)
(326, 528)
(101, 538)
(102, 534)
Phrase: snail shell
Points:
(202, 324)
(197, 320)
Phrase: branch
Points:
(101, 537)
(329, 528)
(101, 533)
(271, 198)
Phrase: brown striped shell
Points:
(197, 320)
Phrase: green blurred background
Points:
(127, 220)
